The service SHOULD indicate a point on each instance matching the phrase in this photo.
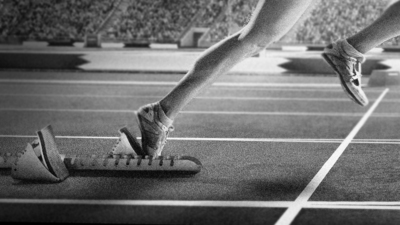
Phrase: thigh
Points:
(274, 18)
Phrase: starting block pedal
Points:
(127, 144)
(44, 164)
(41, 161)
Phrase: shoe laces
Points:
(356, 73)
(169, 130)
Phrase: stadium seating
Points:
(52, 19)
(155, 21)
(167, 20)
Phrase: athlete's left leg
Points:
(269, 22)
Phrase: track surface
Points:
(262, 141)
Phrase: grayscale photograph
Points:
(272, 112)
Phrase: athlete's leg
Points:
(346, 56)
(269, 22)
(387, 26)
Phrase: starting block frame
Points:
(43, 162)
(110, 162)
(185, 164)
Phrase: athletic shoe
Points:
(348, 70)
(154, 132)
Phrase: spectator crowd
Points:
(166, 20)
(52, 19)
(329, 20)
(155, 20)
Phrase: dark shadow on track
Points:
(41, 61)
(318, 65)
(132, 174)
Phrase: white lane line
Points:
(354, 205)
(87, 82)
(334, 114)
(291, 213)
(159, 97)
(238, 98)
(209, 203)
(274, 113)
(360, 203)
(188, 112)
(283, 140)
(165, 83)
(169, 203)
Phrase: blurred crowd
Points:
(155, 20)
(336, 19)
(167, 20)
(52, 19)
(236, 16)
(210, 10)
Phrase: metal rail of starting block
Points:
(133, 163)
(121, 162)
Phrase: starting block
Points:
(41, 161)
(380, 78)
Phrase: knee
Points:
(254, 42)
(259, 37)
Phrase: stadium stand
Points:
(236, 16)
(210, 11)
(328, 21)
(52, 19)
(155, 21)
(165, 21)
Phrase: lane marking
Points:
(271, 88)
(284, 140)
(333, 114)
(169, 203)
(159, 97)
(354, 205)
(187, 112)
(237, 98)
(209, 203)
(291, 213)
(351, 203)
(306, 89)
(164, 83)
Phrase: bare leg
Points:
(387, 26)
(270, 21)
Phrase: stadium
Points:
(268, 137)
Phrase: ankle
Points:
(162, 116)
(167, 109)
(350, 50)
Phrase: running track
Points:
(275, 149)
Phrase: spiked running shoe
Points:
(154, 132)
(348, 70)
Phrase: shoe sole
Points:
(343, 82)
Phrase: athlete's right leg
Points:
(346, 56)
(269, 22)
